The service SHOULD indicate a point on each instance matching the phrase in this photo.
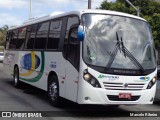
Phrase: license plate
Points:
(125, 96)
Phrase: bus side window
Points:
(21, 38)
(41, 36)
(73, 51)
(54, 34)
(13, 40)
(8, 36)
(31, 33)
(72, 20)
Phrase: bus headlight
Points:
(151, 83)
(90, 79)
(87, 77)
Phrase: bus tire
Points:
(16, 77)
(53, 91)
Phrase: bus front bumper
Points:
(111, 97)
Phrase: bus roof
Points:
(76, 12)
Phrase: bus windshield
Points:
(117, 42)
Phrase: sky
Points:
(15, 12)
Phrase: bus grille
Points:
(121, 86)
(116, 98)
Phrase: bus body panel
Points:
(27, 74)
(72, 79)
(10, 59)
(38, 76)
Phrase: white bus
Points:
(89, 57)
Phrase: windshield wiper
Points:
(130, 56)
(120, 46)
(114, 53)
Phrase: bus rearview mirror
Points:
(80, 33)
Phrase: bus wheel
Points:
(16, 77)
(53, 91)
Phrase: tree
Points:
(150, 10)
(3, 32)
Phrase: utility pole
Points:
(137, 9)
(89, 4)
(30, 14)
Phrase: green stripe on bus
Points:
(37, 78)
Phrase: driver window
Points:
(73, 48)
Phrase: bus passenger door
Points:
(72, 66)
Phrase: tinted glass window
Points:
(21, 38)
(73, 48)
(8, 37)
(31, 32)
(13, 40)
(72, 20)
(54, 34)
(41, 36)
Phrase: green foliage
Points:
(1, 48)
(3, 32)
(150, 10)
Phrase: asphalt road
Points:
(32, 99)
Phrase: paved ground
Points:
(30, 99)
